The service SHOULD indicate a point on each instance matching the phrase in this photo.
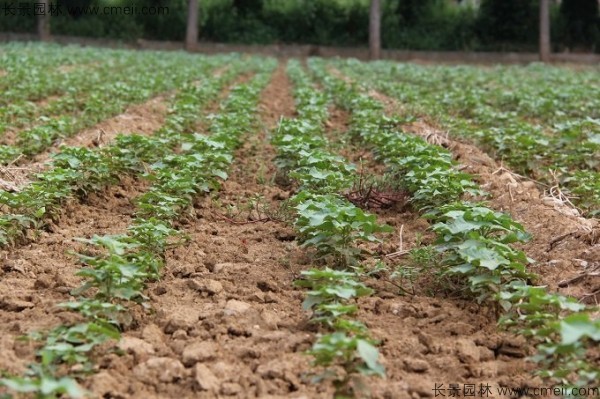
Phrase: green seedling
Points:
(116, 274)
(333, 226)
(331, 293)
(346, 359)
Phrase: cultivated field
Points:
(189, 226)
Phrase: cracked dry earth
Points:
(226, 320)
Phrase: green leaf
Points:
(370, 355)
(578, 325)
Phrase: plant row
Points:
(543, 94)
(76, 86)
(41, 83)
(540, 128)
(333, 227)
(475, 243)
(79, 170)
(134, 82)
(115, 277)
(42, 80)
(34, 71)
(117, 267)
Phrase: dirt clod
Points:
(199, 352)
(14, 304)
(43, 282)
(159, 369)
(416, 365)
(209, 287)
(140, 348)
(205, 379)
(235, 308)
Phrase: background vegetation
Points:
(406, 24)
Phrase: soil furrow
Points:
(142, 119)
(564, 244)
(36, 277)
(42, 274)
(227, 318)
(9, 136)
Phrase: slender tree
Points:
(375, 30)
(544, 30)
(43, 20)
(191, 37)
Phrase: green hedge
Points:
(406, 24)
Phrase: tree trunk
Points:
(375, 30)
(544, 30)
(191, 37)
(43, 20)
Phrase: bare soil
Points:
(36, 277)
(226, 320)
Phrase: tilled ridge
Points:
(36, 277)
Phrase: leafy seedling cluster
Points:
(77, 171)
(47, 80)
(133, 80)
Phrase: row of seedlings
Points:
(76, 86)
(117, 267)
(117, 276)
(133, 80)
(33, 71)
(79, 171)
(333, 227)
(562, 152)
(475, 243)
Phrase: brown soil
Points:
(427, 340)
(36, 277)
(226, 320)
(395, 212)
(144, 119)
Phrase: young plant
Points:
(346, 359)
(475, 243)
(562, 328)
(330, 292)
(333, 226)
(119, 274)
